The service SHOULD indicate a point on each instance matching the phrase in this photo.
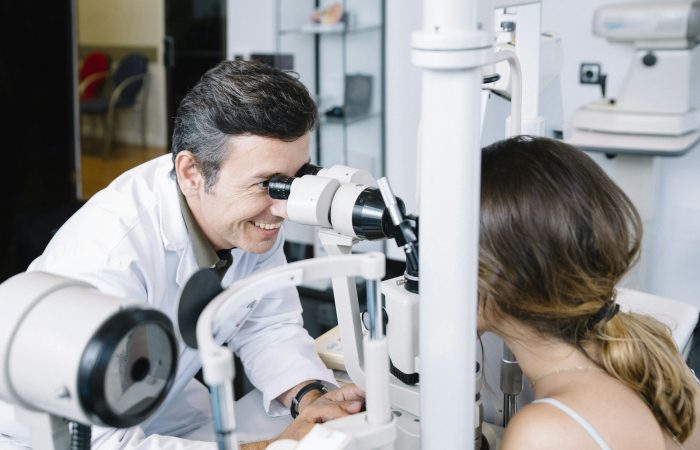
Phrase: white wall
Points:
(131, 23)
(402, 96)
(403, 87)
(250, 27)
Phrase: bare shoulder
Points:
(543, 427)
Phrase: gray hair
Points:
(240, 98)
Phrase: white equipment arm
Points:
(217, 362)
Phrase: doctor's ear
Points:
(187, 171)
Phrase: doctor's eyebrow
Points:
(267, 175)
(264, 176)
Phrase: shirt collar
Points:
(204, 253)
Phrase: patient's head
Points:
(556, 234)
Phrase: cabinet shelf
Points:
(335, 29)
(342, 65)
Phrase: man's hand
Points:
(332, 405)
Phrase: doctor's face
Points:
(237, 211)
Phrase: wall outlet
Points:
(589, 73)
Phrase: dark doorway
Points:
(38, 93)
(195, 42)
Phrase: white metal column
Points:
(451, 48)
(527, 35)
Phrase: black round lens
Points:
(140, 369)
(280, 187)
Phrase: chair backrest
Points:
(94, 62)
(132, 64)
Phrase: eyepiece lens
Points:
(308, 169)
(279, 187)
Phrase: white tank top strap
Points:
(581, 421)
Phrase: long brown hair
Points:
(556, 237)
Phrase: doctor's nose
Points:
(279, 208)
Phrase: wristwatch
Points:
(294, 409)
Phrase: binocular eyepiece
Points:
(279, 187)
(349, 208)
(343, 199)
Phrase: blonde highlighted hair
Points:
(556, 237)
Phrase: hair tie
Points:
(605, 313)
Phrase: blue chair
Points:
(128, 81)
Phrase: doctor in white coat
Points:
(206, 206)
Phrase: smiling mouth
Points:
(268, 226)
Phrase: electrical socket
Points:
(590, 73)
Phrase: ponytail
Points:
(640, 352)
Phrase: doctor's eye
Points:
(263, 185)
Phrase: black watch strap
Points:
(294, 409)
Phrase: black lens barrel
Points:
(370, 217)
(279, 187)
(308, 169)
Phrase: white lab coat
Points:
(130, 240)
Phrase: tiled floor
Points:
(98, 171)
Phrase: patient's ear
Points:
(486, 315)
(481, 323)
(188, 175)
